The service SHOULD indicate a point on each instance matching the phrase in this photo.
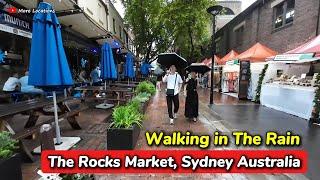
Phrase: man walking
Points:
(174, 83)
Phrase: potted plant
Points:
(124, 131)
(10, 163)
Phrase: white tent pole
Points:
(56, 120)
(105, 84)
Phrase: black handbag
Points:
(170, 92)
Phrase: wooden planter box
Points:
(11, 168)
(122, 139)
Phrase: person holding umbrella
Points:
(174, 83)
(192, 101)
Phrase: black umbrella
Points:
(168, 59)
(198, 68)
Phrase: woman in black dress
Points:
(192, 101)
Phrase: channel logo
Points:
(12, 10)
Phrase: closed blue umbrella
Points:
(129, 71)
(107, 64)
(48, 67)
(145, 68)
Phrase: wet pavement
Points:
(209, 122)
(258, 119)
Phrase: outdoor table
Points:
(126, 82)
(295, 100)
(120, 91)
(124, 85)
(33, 108)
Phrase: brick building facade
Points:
(279, 24)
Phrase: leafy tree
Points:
(145, 19)
(188, 22)
(161, 24)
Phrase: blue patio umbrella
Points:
(107, 64)
(129, 71)
(48, 66)
(1, 56)
(145, 68)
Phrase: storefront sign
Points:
(293, 57)
(15, 25)
(232, 62)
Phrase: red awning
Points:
(257, 53)
(209, 61)
(230, 56)
(312, 46)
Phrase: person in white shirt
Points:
(26, 88)
(174, 84)
(12, 84)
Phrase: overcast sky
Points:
(120, 9)
(247, 3)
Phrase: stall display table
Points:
(295, 100)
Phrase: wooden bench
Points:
(34, 109)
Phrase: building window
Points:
(114, 26)
(239, 35)
(120, 32)
(283, 13)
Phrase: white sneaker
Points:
(171, 122)
(175, 116)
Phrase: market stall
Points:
(290, 80)
(245, 75)
(230, 71)
(230, 77)
(295, 100)
(208, 62)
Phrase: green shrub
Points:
(134, 104)
(7, 145)
(142, 97)
(147, 87)
(126, 116)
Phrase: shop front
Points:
(15, 41)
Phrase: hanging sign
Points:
(232, 62)
(293, 57)
(15, 25)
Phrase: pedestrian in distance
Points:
(192, 100)
(95, 76)
(174, 84)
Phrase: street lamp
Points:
(214, 11)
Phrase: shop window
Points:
(114, 26)
(283, 13)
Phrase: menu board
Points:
(244, 79)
